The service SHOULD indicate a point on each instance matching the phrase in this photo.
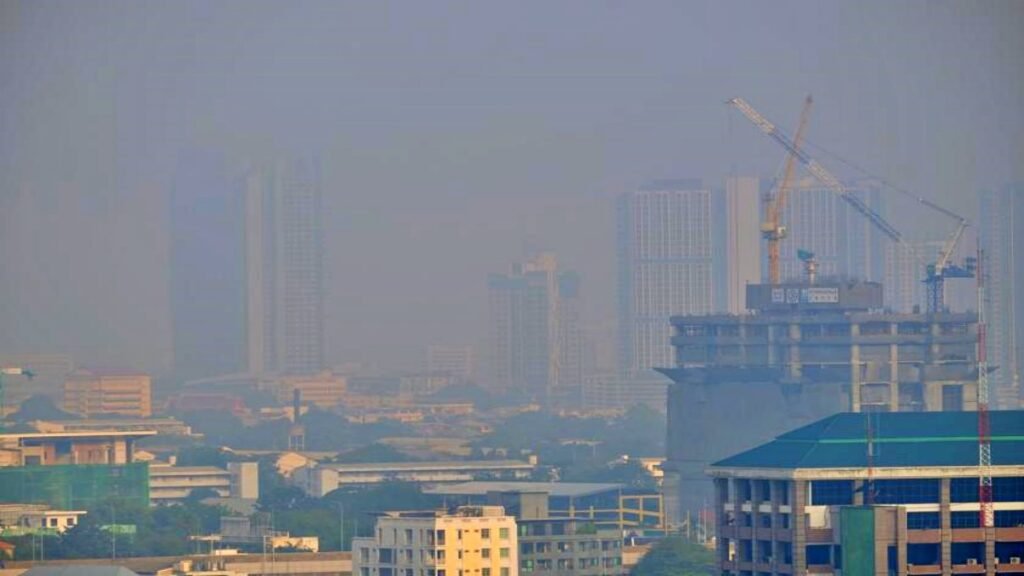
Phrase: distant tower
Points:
(284, 266)
(1002, 232)
(535, 344)
(207, 279)
(297, 431)
(665, 260)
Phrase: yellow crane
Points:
(772, 228)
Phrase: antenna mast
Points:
(987, 515)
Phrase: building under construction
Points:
(803, 352)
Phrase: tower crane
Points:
(937, 272)
(772, 229)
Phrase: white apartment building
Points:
(472, 541)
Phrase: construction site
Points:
(812, 346)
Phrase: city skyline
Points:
(442, 158)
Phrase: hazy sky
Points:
(453, 135)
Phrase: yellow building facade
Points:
(472, 541)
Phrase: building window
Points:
(917, 491)
(504, 571)
(1009, 518)
(963, 490)
(831, 492)
(1008, 489)
(485, 553)
(439, 537)
(964, 520)
(503, 533)
(485, 572)
(503, 553)
(485, 533)
(923, 521)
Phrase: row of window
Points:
(916, 491)
(365, 571)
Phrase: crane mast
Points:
(772, 229)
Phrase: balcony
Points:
(924, 569)
(1006, 568)
(969, 568)
(820, 569)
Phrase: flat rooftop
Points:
(555, 489)
(79, 434)
(428, 465)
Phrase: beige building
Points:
(324, 389)
(472, 541)
(94, 392)
(169, 483)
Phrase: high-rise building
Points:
(207, 270)
(535, 343)
(665, 260)
(844, 242)
(455, 361)
(738, 254)
(284, 267)
(1002, 232)
(803, 352)
(246, 282)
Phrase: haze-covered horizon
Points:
(453, 138)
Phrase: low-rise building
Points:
(560, 546)
(474, 540)
(21, 519)
(873, 494)
(319, 479)
(169, 483)
(98, 392)
(167, 426)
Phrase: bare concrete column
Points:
(737, 513)
(894, 370)
(797, 501)
(946, 528)
(721, 493)
(795, 368)
(855, 372)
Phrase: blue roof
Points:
(900, 439)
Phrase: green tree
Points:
(676, 556)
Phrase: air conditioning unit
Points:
(972, 561)
(1014, 559)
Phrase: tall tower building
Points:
(246, 282)
(534, 330)
(738, 253)
(665, 259)
(845, 243)
(207, 269)
(284, 267)
(1002, 232)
